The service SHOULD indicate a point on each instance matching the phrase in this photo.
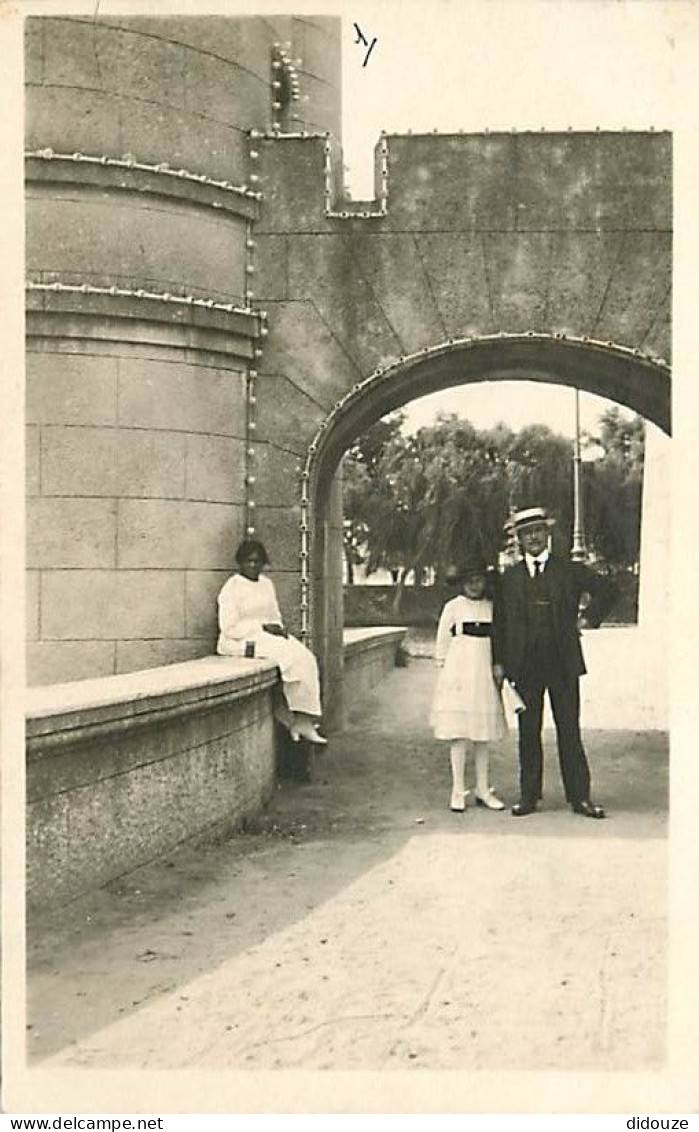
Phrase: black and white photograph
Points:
(348, 562)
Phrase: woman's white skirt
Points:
(297, 664)
(467, 703)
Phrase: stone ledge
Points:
(59, 715)
(53, 297)
(132, 315)
(130, 330)
(364, 640)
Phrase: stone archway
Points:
(604, 368)
(484, 256)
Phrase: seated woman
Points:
(251, 625)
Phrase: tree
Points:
(543, 463)
(356, 492)
(363, 487)
(422, 502)
(395, 512)
(614, 490)
(438, 495)
(465, 504)
(622, 437)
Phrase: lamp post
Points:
(578, 550)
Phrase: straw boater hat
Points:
(529, 517)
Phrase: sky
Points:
(431, 67)
(518, 403)
(456, 64)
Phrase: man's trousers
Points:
(564, 694)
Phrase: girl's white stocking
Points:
(482, 783)
(458, 765)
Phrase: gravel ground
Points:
(362, 925)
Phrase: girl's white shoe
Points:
(458, 801)
(490, 800)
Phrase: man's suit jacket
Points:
(567, 581)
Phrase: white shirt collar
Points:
(530, 559)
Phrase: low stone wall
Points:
(369, 655)
(122, 769)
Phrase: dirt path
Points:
(362, 925)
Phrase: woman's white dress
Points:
(467, 703)
(244, 607)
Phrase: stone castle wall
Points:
(206, 309)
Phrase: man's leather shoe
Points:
(588, 810)
(523, 807)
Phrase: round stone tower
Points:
(143, 322)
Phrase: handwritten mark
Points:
(361, 38)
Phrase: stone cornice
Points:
(126, 174)
(122, 314)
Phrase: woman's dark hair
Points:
(251, 546)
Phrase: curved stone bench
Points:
(122, 769)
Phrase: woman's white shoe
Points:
(309, 733)
(458, 801)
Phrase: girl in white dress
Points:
(251, 625)
(467, 706)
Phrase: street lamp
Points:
(578, 550)
(583, 453)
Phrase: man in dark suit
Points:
(536, 645)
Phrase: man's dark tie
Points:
(537, 568)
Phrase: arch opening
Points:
(632, 380)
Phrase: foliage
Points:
(364, 487)
(422, 502)
(614, 488)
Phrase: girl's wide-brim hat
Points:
(467, 568)
(529, 517)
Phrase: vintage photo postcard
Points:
(348, 557)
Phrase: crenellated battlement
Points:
(470, 235)
(492, 182)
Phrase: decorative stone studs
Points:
(138, 293)
(285, 84)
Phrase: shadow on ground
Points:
(381, 791)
